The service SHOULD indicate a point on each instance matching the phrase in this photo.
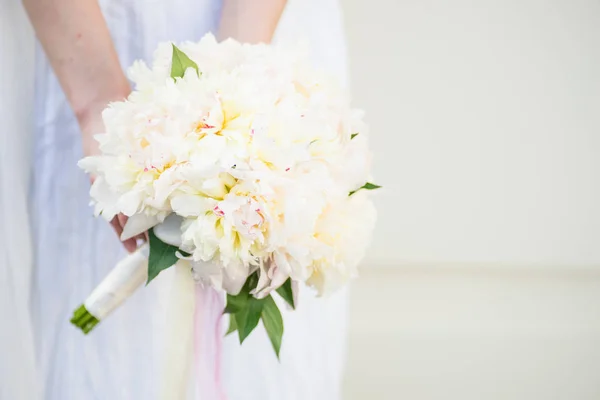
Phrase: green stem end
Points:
(84, 320)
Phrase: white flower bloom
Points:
(255, 154)
(345, 228)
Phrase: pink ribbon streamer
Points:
(208, 343)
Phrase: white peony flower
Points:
(257, 154)
(345, 228)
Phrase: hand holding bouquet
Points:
(245, 164)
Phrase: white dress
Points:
(17, 361)
(121, 358)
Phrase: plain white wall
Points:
(485, 119)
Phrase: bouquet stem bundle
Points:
(84, 320)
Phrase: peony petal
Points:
(138, 223)
(170, 230)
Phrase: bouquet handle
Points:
(128, 275)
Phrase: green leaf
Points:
(245, 311)
(162, 256)
(367, 186)
(232, 325)
(236, 303)
(180, 63)
(286, 292)
(249, 285)
(247, 318)
(353, 136)
(245, 308)
(271, 318)
(370, 186)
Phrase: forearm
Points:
(250, 21)
(78, 45)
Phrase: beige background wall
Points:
(483, 280)
(485, 120)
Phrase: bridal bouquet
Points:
(243, 163)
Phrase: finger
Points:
(116, 226)
(130, 245)
(122, 220)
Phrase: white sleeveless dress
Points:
(121, 359)
(17, 358)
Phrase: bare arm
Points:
(250, 21)
(77, 42)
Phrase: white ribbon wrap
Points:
(119, 284)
